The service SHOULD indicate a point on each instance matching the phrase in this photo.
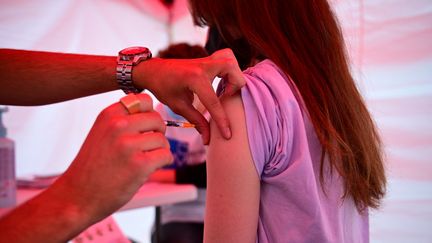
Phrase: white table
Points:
(150, 194)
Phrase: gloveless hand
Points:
(174, 81)
(116, 158)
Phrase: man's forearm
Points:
(37, 78)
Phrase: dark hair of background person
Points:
(183, 51)
(304, 39)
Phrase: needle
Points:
(179, 124)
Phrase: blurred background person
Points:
(182, 222)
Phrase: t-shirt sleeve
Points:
(270, 110)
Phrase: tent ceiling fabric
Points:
(160, 10)
(81, 26)
(388, 42)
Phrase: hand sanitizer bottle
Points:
(7, 167)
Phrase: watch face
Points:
(135, 50)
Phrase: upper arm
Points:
(233, 184)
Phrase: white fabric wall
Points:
(388, 40)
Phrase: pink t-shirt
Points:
(286, 154)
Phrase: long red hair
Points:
(304, 39)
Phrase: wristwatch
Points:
(126, 60)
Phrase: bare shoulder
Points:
(232, 181)
(233, 107)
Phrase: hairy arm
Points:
(38, 78)
(233, 184)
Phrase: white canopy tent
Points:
(389, 43)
